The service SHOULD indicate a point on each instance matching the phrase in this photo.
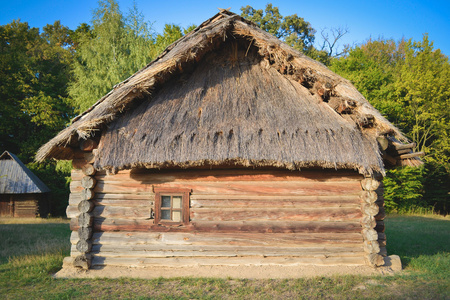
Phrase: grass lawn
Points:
(33, 250)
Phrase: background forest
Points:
(48, 77)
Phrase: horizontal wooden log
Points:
(410, 155)
(78, 163)
(87, 194)
(192, 251)
(262, 214)
(142, 212)
(369, 234)
(403, 151)
(84, 246)
(270, 204)
(85, 220)
(368, 196)
(368, 221)
(238, 188)
(88, 170)
(371, 247)
(84, 233)
(135, 225)
(75, 186)
(399, 146)
(126, 203)
(383, 142)
(136, 196)
(88, 182)
(74, 198)
(85, 206)
(76, 174)
(161, 176)
(381, 236)
(221, 238)
(370, 209)
(369, 184)
(238, 261)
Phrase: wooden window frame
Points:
(184, 193)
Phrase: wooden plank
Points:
(238, 261)
(76, 174)
(221, 239)
(127, 203)
(280, 203)
(142, 212)
(260, 214)
(161, 176)
(238, 188)
(75, 186)
(143, 251)
(117, 224)
(74, 198)
(137, 196)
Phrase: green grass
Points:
(30, 253)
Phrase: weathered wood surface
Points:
(84, 233)
(87, 194)
(138, 212)
(88, 182)
(83, 246)
(162, 176)
(85, 206)
(208, 201)
(369, 196)
(370, 184)
(85, 220)
(143, 251)
(398, 146)
(229, 261)
(259, 214)
(218, 239)
(78, 163)
(370, 209)
(133, 225)
(88, 170)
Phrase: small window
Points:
(171, 206)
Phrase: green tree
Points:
(409, 83)
(114, 49)
(294, 31)
(34, 72)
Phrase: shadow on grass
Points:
(412, 237)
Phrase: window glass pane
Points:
(165, 214)
(165, 201)
(176, 216)
(176, 200)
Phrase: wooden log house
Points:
(22, 193)
(230, 148)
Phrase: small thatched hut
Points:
(230, 148)
(22, 194)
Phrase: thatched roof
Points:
(230, 93)
(16, 178)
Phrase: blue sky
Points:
(363, 18)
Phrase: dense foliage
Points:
(409, 82)
(47, 77)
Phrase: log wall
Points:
(236, 216)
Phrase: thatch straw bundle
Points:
(230, 93)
